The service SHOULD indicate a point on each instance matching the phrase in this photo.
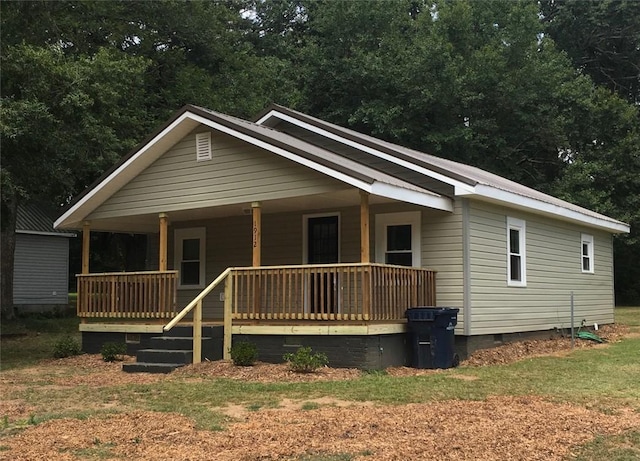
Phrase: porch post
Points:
(86, 239)
(162, 260)
(257, 249)
(256, 233)
(365, 254)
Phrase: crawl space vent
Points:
(203, 146)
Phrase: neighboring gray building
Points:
(41, 266)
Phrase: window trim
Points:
(521, 227)
(588, 239)
(383, 220)
(184, 234)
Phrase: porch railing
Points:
(143, 295)
(359, 291)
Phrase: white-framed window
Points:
(398, 238)
(586, 253)
(516, 253)
(190, 257)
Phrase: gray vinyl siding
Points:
(442, 250)
(239, 173)
(41, 270)
(553, 270)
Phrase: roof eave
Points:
(488, 193)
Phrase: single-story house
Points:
(41, 264)
(291, 231)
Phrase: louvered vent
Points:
(203, 146)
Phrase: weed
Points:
(32, 420)
(305, 361)
(244, 354)
(112, 351)
(66, 347)
(254, 407)
(5, 421)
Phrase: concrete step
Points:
(145, 367)
(165, 356)
(173, 342)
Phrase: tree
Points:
(602, 38)
(65, 119)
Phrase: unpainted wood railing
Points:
(359, 291)
(142, 295)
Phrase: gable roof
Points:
(189, 117)
(386, 176)
(467, 180)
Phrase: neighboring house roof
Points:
(464, 179)
(467, 180)
(37, 219)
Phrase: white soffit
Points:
(526, 203)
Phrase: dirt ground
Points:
(499, 428)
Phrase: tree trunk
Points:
(7, 250)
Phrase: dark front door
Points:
(322, 248)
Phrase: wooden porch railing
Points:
(143, 295)
(344, 292)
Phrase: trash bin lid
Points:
(428, 313)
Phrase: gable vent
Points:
(203, 146)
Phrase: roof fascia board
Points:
(48, 234)
(526, 203)
(410, 196)
(118, 173)
(458, 185)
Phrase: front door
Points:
(322, 248)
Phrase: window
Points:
(587, 253)
(190, 257)
(398, 238)
(516, 253)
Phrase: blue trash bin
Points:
(432, 336)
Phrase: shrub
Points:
(244, 354)
(113, 351)
(66, 347)
(305, 361)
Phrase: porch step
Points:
(183, 356)
(175, 349)
(146, 367)
(173, 342)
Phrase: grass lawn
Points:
(601, 378)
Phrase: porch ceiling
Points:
(148, 222)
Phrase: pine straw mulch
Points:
(499, 428)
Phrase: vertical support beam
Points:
(228, 300)
(365, 255)
(256, 233)
(86, 239)
(257, 251)
(162, 259)
(365, 252)
(197, 333)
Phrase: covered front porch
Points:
(319, 299)
(313, 298)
